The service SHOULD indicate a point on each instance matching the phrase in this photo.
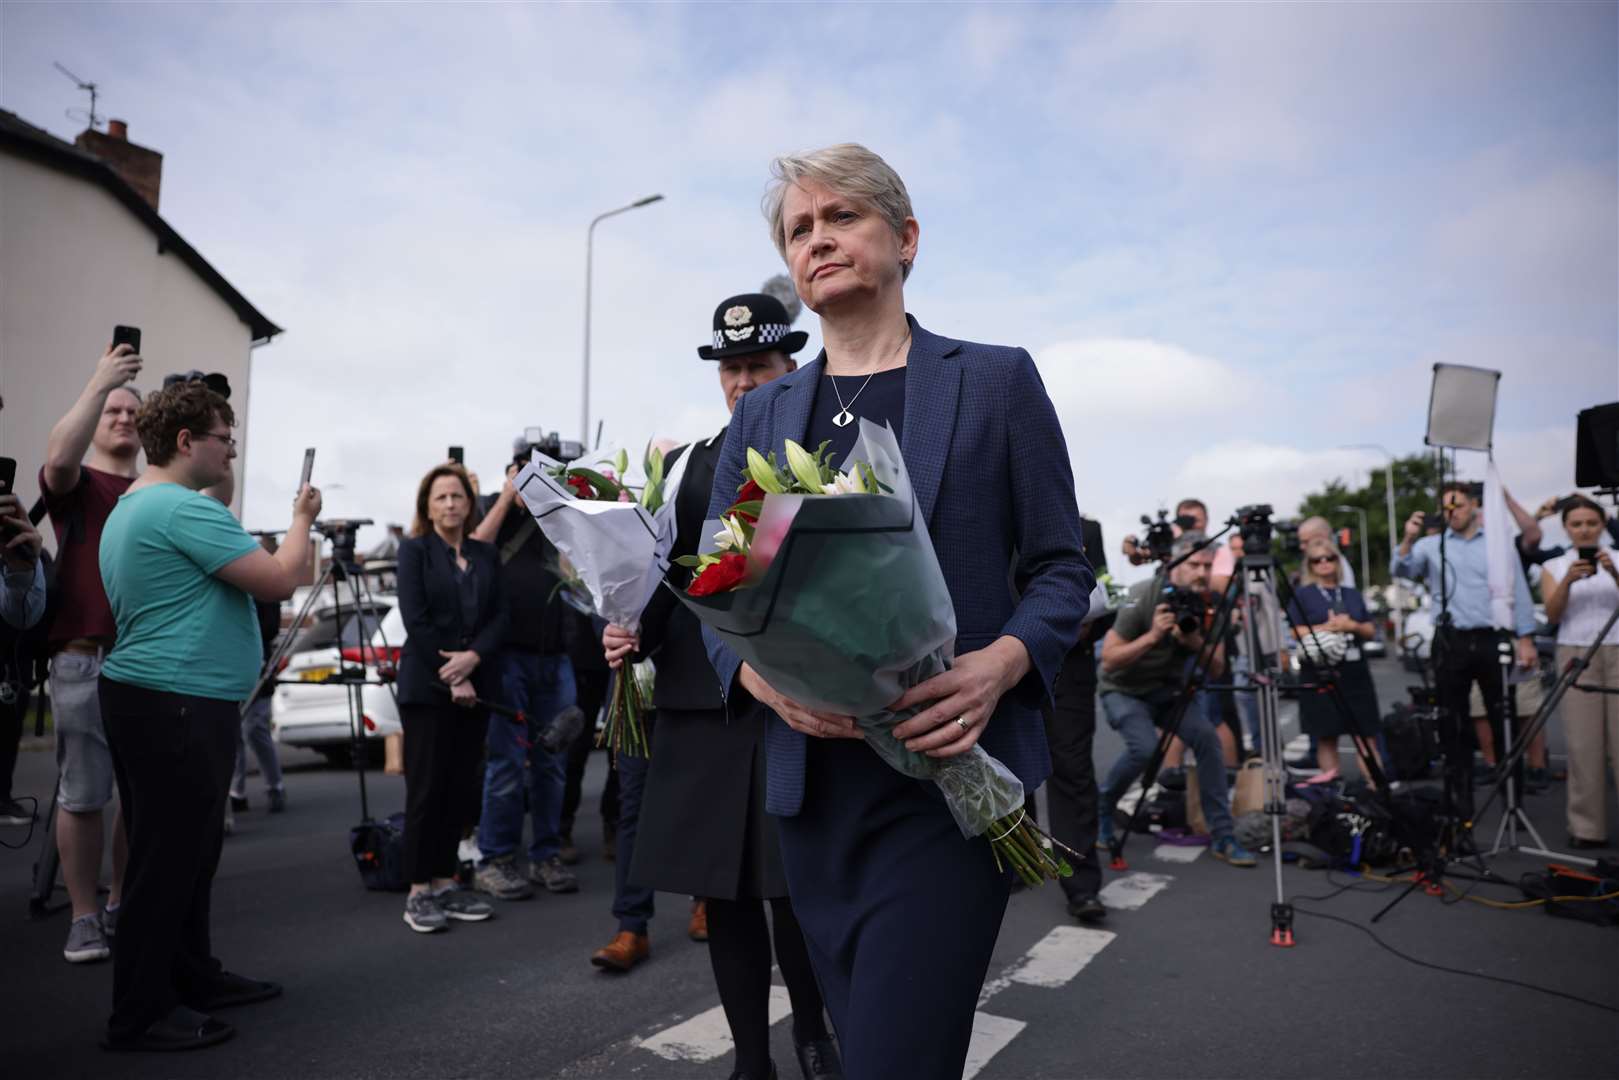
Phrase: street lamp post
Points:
(590, 241)
(1365, 563)
(1394, 529)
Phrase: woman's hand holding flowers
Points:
(819, 724)
(969, 691)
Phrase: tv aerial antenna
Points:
(93, 118)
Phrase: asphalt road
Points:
(1184, 984)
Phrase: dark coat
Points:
(989, 465)
(431, 607)
(703, 830)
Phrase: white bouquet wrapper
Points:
(846, 609)
(619, 550)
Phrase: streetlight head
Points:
(648, 200)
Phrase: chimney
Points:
(140, 168)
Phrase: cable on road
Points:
(1369, 932)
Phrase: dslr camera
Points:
(1188, 606)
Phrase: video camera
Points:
(551, 444)
(1159, 539)
(1188, 607)
(342, 533)
(1254, 525)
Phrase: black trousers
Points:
(443, 744)
(591, 686)
(1071, 793)
(899, 912)
(1462, 658)
(172, 755)
(739, 950)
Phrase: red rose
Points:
(581, 487)
(722, 576)
(750, 492)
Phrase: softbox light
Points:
(1461, 409)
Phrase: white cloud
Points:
(1115, 383)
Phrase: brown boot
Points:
(623, 952)
(698, 927)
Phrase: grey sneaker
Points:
(109, 921)
(423, 914)
(86, 943)
(500, 879)
(553, 875)
(457, 903)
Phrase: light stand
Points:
(1512, 815)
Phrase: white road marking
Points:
(1177, 854)
(990, 1036)
(1133, 890)
(707, 1036)
(1059, 956)
(1298, 744)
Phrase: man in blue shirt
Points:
(1466, 650)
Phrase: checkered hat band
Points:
(768, 334)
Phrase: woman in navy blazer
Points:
(455, 616)
(900, 912)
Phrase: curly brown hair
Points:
(187, 406)
(423, 524)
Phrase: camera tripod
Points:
(1259, 582)
(344, 566)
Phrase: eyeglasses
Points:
(226, 439)
(1323, 559)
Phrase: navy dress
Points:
(1319, 715)
(859, 915)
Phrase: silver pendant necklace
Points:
(844, 417)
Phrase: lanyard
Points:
(1334, 599)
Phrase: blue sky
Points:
(1235, 237)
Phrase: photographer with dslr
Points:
(1158, 637)
(1581, 587)
(181, 575)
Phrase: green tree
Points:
(1414, 481)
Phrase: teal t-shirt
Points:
(180, 629)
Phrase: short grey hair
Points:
(1185, 542)
(848, 169)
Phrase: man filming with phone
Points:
(80, 493)
(1465, 643)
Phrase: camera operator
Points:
(181, 575)
(1145, 658)
(22, 605)
(1465, 646)
(1581, 588)
(79, 495)
(1190, 515)
(536, 676)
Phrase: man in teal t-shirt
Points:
(180, 629)
(181, 576)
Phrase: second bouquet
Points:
(825, 581)
(616, 541)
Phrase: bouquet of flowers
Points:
(826, 582)
(616, 542)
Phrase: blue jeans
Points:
(1242, 674)
(1137, 719)
(541, 686)
(255, 735)
(632, 904)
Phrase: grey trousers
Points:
(256, 733)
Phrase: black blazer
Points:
(431, 607)
(670, 633)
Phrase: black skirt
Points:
(1321, 717)
(703, 828)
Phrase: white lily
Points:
(844, 484)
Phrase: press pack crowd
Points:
(160, 612)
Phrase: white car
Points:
(307, 710)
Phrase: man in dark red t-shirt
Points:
(80, 495)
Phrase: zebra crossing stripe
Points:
(1133, 890)
(1176, 854)
(1059, 956)
(707, 1036)
(990, 1036)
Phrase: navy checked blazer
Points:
(989, 466)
